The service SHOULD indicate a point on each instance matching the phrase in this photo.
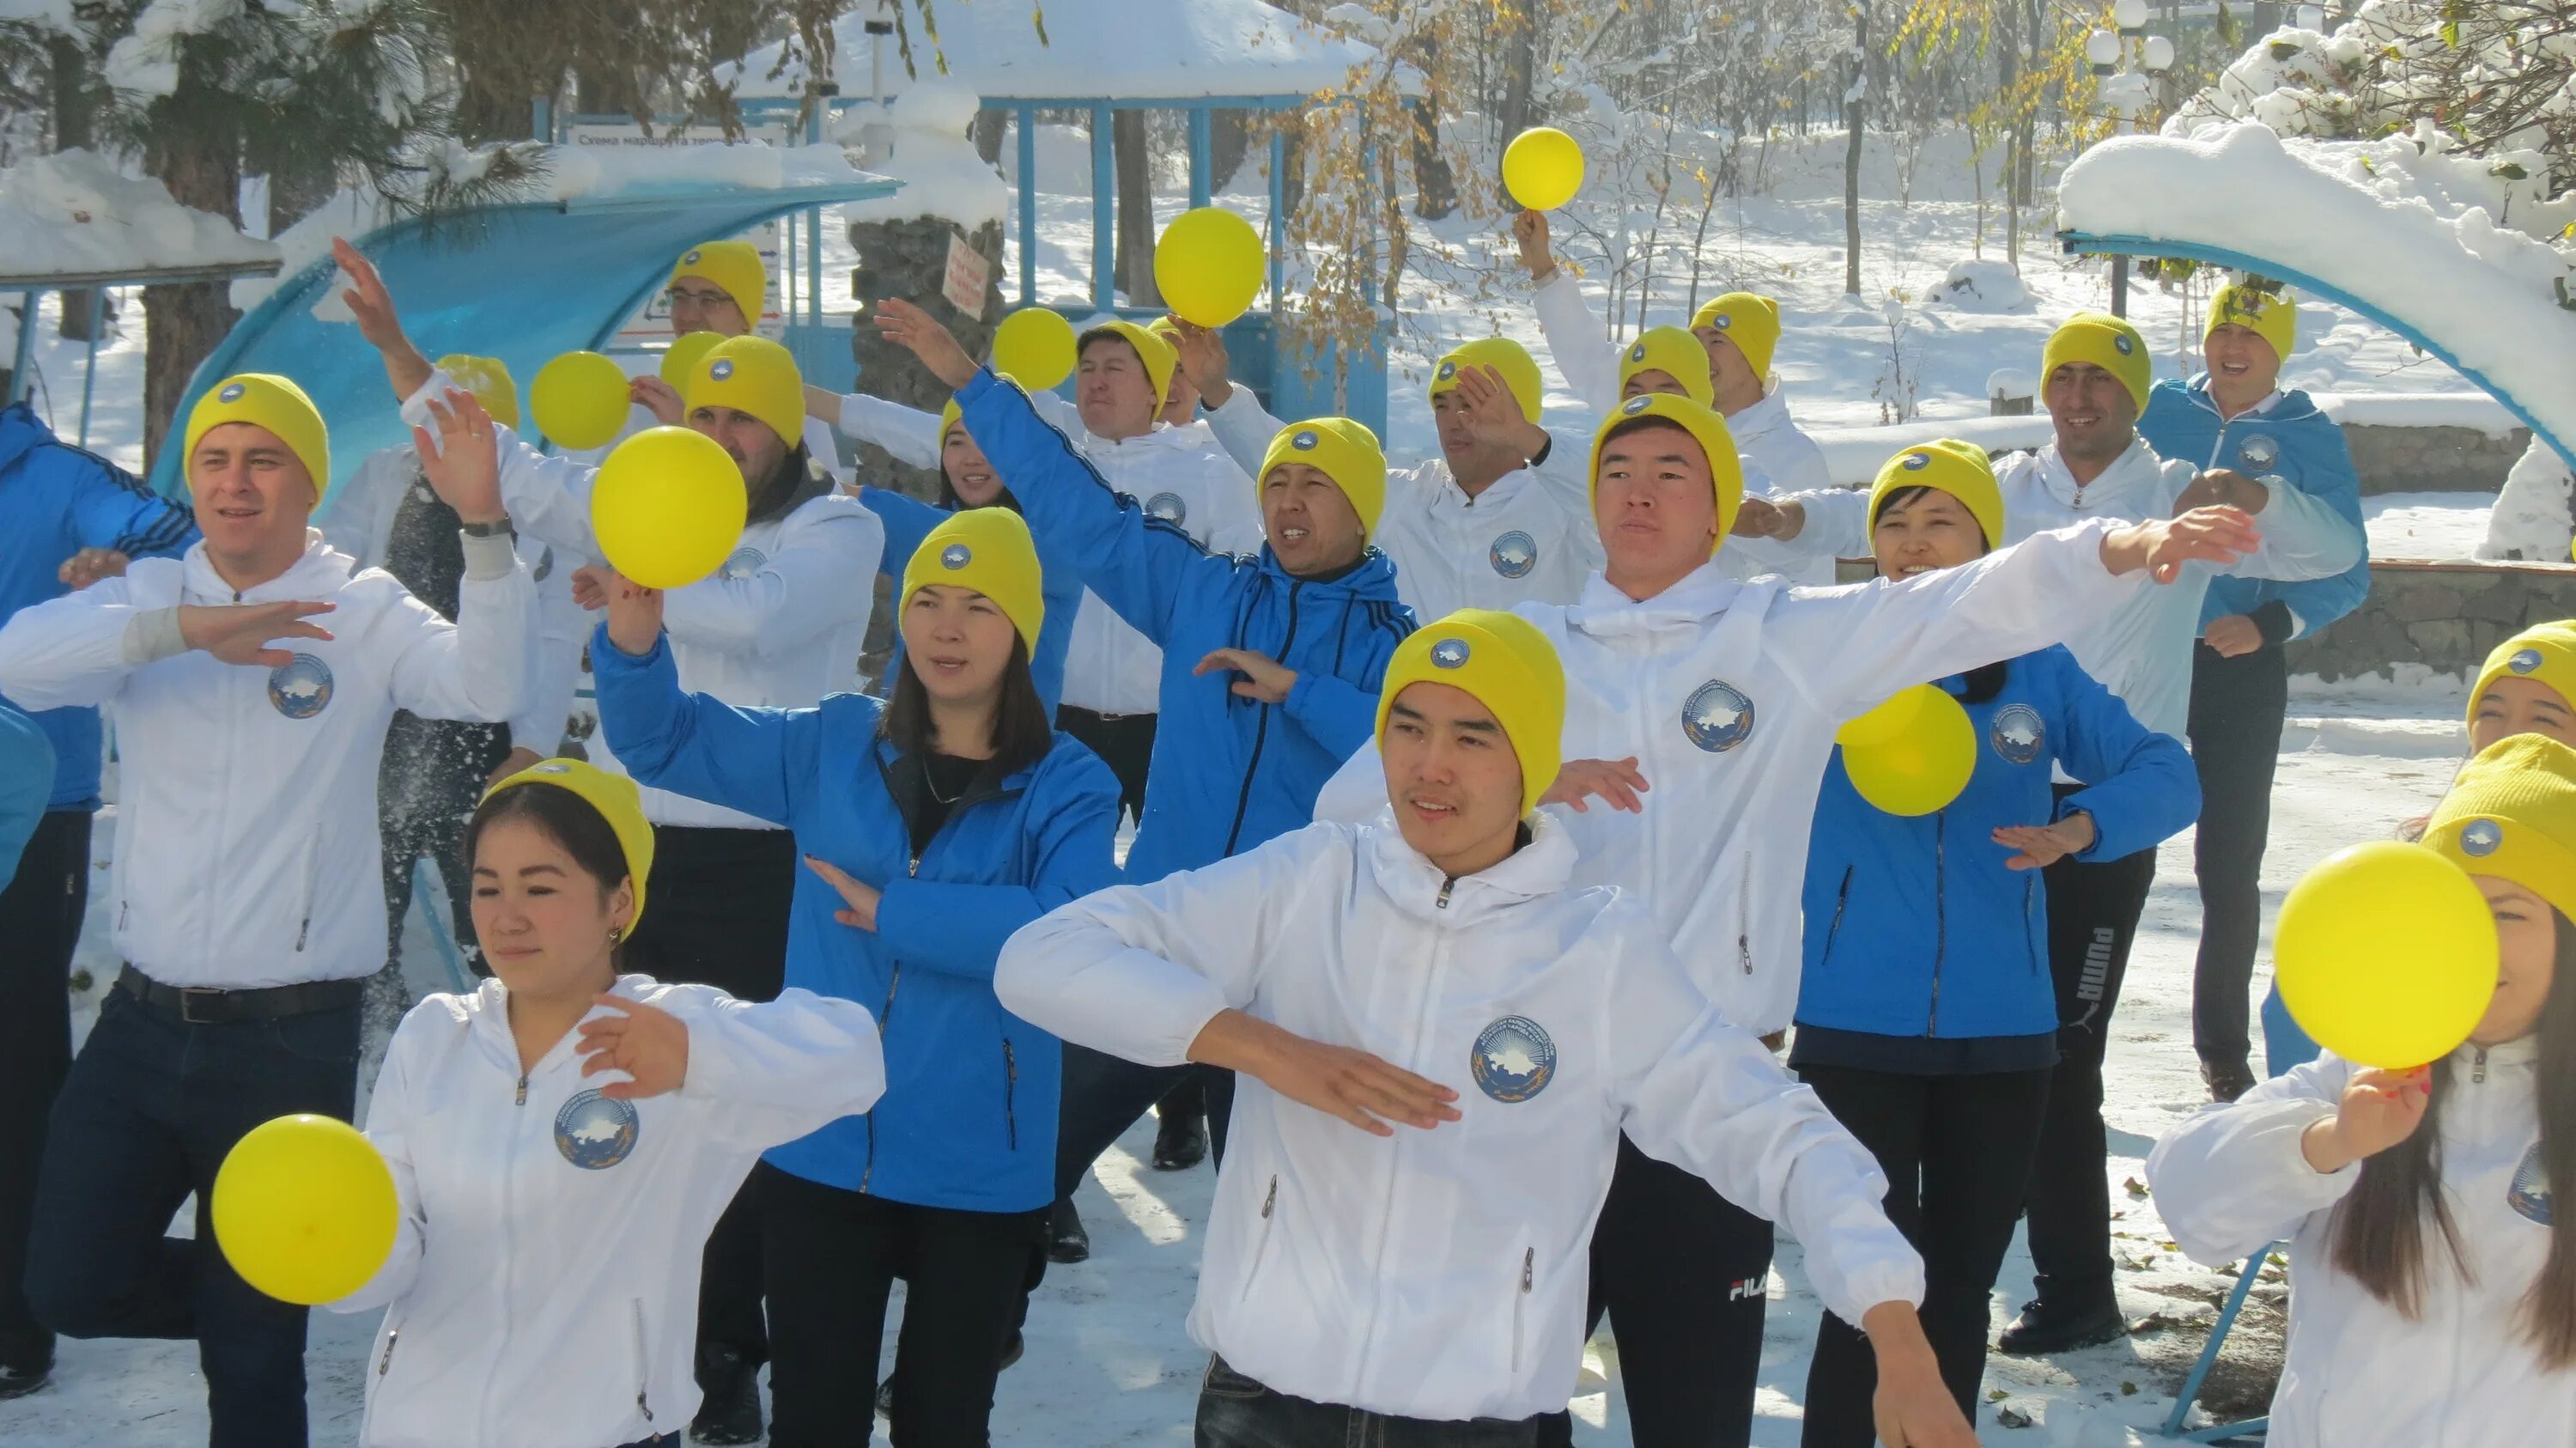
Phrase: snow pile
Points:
(147, 58)
(72, 213)
(1982, 286)
(2400, 222)
(590, 172)
(2532, 519)
(928, 151)
(2475, 411)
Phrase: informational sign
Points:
(969, 275)
(650, 328)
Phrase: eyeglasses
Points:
(677, 295)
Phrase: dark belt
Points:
(203, 1006)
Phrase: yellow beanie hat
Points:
(1751, 322)
(2269, 315)
(734, 266)
(1674, 352)
(1510, 358)
(1509, 666)
(988, 550)
(2511, 813)
(1960, 469)
(1159, 356)
(616, 799)
(1725, 469)
(2544, 651)
(1347, 452)
(950, 414)
(753, 375)
(266, 400)
(682, 357)
(488, 378)
(2107, 342)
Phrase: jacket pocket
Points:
(1010, 1094)
(1261, 1238)
(2030, 918)
(1842, 899)
(1744, 919)
(643, 1365)
(306, 886)
(1528, 1270)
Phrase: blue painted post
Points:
(541, 119)
(1202, 147)
(1104, 226)
(27, 324)
(1026, 117)
(814, 215)
(1278, 219)
(89, 369)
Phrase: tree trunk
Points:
(1855, 117)
(295, 195)
(990, 125)
(1135, 272)
(201, 164)
(1435, 189)
(1520, 59)
(2025, 185)
(75, 112)
(1229, 141)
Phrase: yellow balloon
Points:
(668, 507)
(1034, 346)
(2386, 954)
(304, 1209)
(579, 400)
(1543, 166)
(1921, 766)
(1209, 265)
(1886, 721)
(683, 356)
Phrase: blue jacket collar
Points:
(20, 434)
(2294, 406)
(1373, 580)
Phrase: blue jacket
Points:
(968, 1119)
(26, 780)
(1228, 773)
(1914, 927)
(909, 520)
(56, 500)
(2292, 441)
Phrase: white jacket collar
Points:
(1418, 887)
(490, 1005)
(321, 572)
(1770, 413)
(2128, 485)
(1603, 610)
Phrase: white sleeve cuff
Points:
(153, 635)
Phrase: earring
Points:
(616, 936)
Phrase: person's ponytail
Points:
(2549, 1309)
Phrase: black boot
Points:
(1181, 1129)
(1067, 1241)
(2226, 1081)
(731, 1412)
(16, 1382)
(2046, 1327)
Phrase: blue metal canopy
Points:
(524, 282)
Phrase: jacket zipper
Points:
(1520, 1303)
(643, 1366)
(885, 1015)
(1940, 913)
(2029, 899)
(1842, 897)
(523, 1091)
(1261, 731)
(1744, 920)
(1010, 1093)
(1447, 884)
(304, 927)
(385, 1361)
(2478, 1068)
(1261, 1244)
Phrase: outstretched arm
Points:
(759, 761)
(367, 298)
(1584, 354)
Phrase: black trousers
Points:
(40, 921)
(2236, 711)
(1238, 1412)
(1684, 1275)
(718, 916)
(833, 1258)
(1124, 742)
(2093, 911)
(426, 789)
(1956, 1151)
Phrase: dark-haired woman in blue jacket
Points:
(1927, 1020)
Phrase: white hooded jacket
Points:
(1727, 694)
(247, 851)
(543, 1286)
(1177, 474)
(2231, 1181)
(780, 625)
(1444, 1273)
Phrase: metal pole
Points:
(1104, 232)
(27, 324)
(1202, 160)
(1026, 118)
(823, 94)
(89, 371)
(1278, 227)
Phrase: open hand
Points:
(645, 1042)
(1339, 1081)
(2379, 1109)
(662, 400)
(2214, 535)
(911, 328)
(1530, 230)
(367, 298)
(1494, 415)
(2223, 488)
(240, 633)
(1264, 678)
(2045, 845)
(1912, 1407)
(464, 464)
(861, 900)
(1614, 781)
(1205, 361)
(90, 565)
(1763, 518)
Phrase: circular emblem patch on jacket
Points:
(595, 1132)
(1513, 1060)
(2017, 733)
(2481, 837)
(2260, 451)
(2529, 1193)
(1717, 717)
(301, 687)
(1167, 508)
(2524, 661)
(744, 562)
(1514, 554)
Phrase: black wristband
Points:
(2272, 619)
(1536, 458)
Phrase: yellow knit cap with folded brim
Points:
(2107, 342)
(1519, 370)
(751, 375)
(952, 415)
(270, 402)
(1675, 353)
(1947, 465)
(1158, 355)
(2269, 315)
(1750, 321)
(2511, 814)
(488, 379)
(988, 550)
(618, 802)
(1725, 469)
(734, 266)
(1346, 451)
(2545, 652)
(1509, 666)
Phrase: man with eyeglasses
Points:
(721, 287)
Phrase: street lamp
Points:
(2126, 91)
